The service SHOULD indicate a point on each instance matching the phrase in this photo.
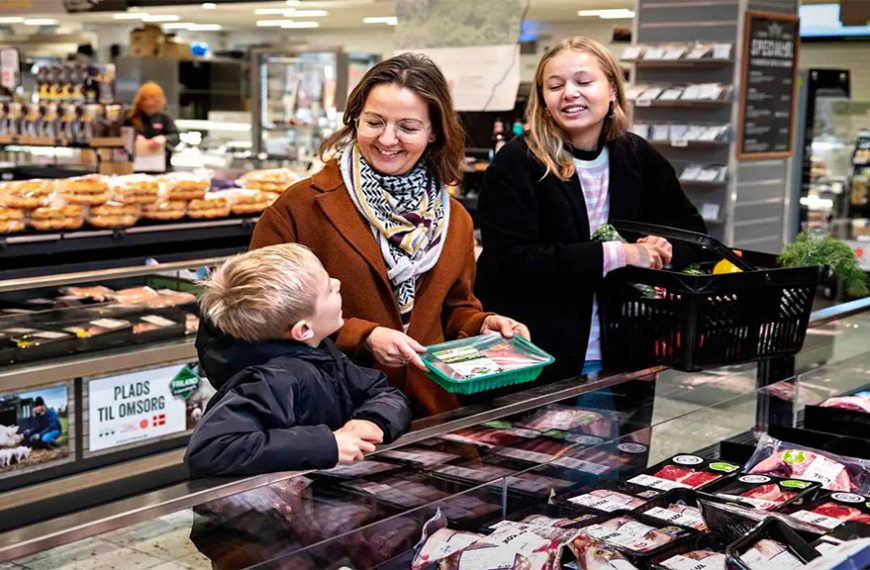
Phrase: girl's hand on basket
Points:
(664, 244)
(394, 348)
(644, 255)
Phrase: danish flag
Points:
(158, 420)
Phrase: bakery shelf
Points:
(682, 103)
(667, 63)
(689, 144)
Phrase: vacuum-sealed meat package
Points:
(831, 509)
(684, 471)
(835, 472)
(763, 491)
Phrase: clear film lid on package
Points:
(483, 356)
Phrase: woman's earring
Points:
(610, 109)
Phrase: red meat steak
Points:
(769, 492)
(836, 511)
(685, 476)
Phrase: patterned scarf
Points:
(408, 216)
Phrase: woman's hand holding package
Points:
(394, 348)
(365, 430)
(351, 447)
(662, 243)
(505, 326)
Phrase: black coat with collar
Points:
(538, 264)
(278, 402)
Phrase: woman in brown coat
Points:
(380, 219)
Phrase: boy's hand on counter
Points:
(365, 430)
(505, 326)
(351, 447)
(394, 348)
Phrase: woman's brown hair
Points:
(444, 155)
(148, 89)
(546, 139)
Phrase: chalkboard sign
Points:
(768, 85)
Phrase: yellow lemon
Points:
(725, 266)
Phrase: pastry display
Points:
(181, 187)
(212, 207)
(135, 189)
(114, 215)
(11, 220)
(91, 190)
(274, 180)
(251, 202)
(26, 194)
(57, 218)
(165, 210)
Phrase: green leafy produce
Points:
(694, 270)
(817, 250)
(606, 232)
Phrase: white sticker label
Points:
(714, 561)
(757, 503)
(525, 455)
(817, 519)
(581, 465)
(754, 479)
(50, 335)
(688, 459)
(847, 498)
(822, 470)
(158, 320)
(110, 323)
(632, 534)
(656, 483)
(782, 560)
(685, 516)
(608, 504)
(496, 557)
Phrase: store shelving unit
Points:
(759, 184)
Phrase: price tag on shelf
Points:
(643, 102)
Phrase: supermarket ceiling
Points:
(231, 14)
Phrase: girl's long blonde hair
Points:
(546, 139)
(148, 89)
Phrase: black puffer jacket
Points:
(278, 403)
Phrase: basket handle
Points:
(687, 236)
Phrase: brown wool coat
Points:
(319, 213)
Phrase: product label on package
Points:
(685, 516)
(631, 535)
(714, 561)
(525, 455)
(656, 483)
(817, 519)
(581, 465)
(496, 558)
(782, 560)
(822, 470)
(757, 503)
(608, 504)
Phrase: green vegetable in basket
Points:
(607, 232)
(817, 250)
(694, 270)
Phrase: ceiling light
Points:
(160, 18)
(388, 20)
(609, 14)
(209, 6)
(205, 28)
(40, 22)
(129, 16)
(291, 25)
(270, 11)
(11, 20)
(271, 23)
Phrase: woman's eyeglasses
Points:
(406, 131)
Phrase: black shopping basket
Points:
(690, 322)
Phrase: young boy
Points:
(287, 398)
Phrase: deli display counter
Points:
(602, 454)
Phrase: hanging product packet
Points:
(835, 472)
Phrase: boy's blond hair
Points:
(260, 294)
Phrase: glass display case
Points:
(597, 450)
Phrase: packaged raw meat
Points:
(772, 545)
(632, 536)
(478, 473)
(99, 327)
(684, 471)
(484, 362)
(133, 296)
(565, 418)
(489, 436)
(541, 528)
(365, 468)
(150, 323)
(594, 554)
(97, 293)
(695, 560)
(417, 456)
(762, 491)
(679, 507)
(830, 509)
(403, 493)
(613, 496)
(836, 473)
(855, 403)
(507, 548)
(534, 484)
(540, 450)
